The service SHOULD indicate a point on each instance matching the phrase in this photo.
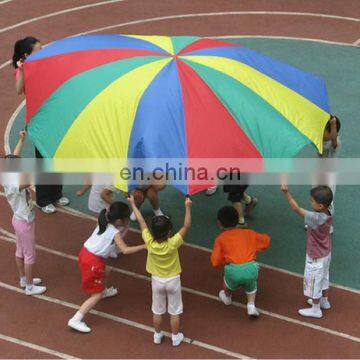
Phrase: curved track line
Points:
(34, 346)
(4, 2)
(181, 16)
(285, 13)
(127, 322)
(10, 237)
(284, 38)
(58, 13)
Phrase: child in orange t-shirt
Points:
(236, 249)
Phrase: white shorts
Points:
(316, 276)
(166, 290)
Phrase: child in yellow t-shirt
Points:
(163, 264)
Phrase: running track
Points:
(122, 325)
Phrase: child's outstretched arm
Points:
(294, 205)
(83, 190)
(121, 244)
(20, 143)
(187, 220)
(137, 213)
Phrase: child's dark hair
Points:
(338, 124)
(322, 195)
(22, 48)
(118, 210)
(228, 216)
(160, 226)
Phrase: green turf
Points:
(339, 66)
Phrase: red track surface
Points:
(280, 332)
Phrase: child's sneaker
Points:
(114, 254)
(132, 217)
(63, 201)
(34, 290)
(23, 282)
(224, 298)
(49, 209)
(109, 292)
(324, 303)
(158, 336)
(252, 310)
(177, 339)
(158, 212)
(211, 190)
(78, 326)
(311, 312)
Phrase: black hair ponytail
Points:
(22, 48)
(118, 210)
(102, 221)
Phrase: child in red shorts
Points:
(105, 238)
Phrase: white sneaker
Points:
(177, 339)
(48, 209)
(114, 254)
(109, 292)
(311, 312)
(211, 190)
(158, 337)
(78, 326)
(36, 281)
(63, 201)
(34, 290)
(224, 298)
(133, 217)
(158, 212)
(324, 303)
(252, 310)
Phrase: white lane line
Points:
(284, 38)
(127, 322)
(34, 346)
(4, 1)
(61, 12)
(357, 42)
(82, 215)
(205, 14)
(9, 127)
(10, 237)
(281, 13)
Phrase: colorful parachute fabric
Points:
(125, 96)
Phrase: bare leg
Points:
(28, 273)
(175, 324)
(228, 292)
(138, 197)
(152, 195)
(239, 208)
(20, 266)
(90, 303)
(157, 321)
(251, 297)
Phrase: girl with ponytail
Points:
(104, 239)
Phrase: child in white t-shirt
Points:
(19, 197)
(103, 241)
